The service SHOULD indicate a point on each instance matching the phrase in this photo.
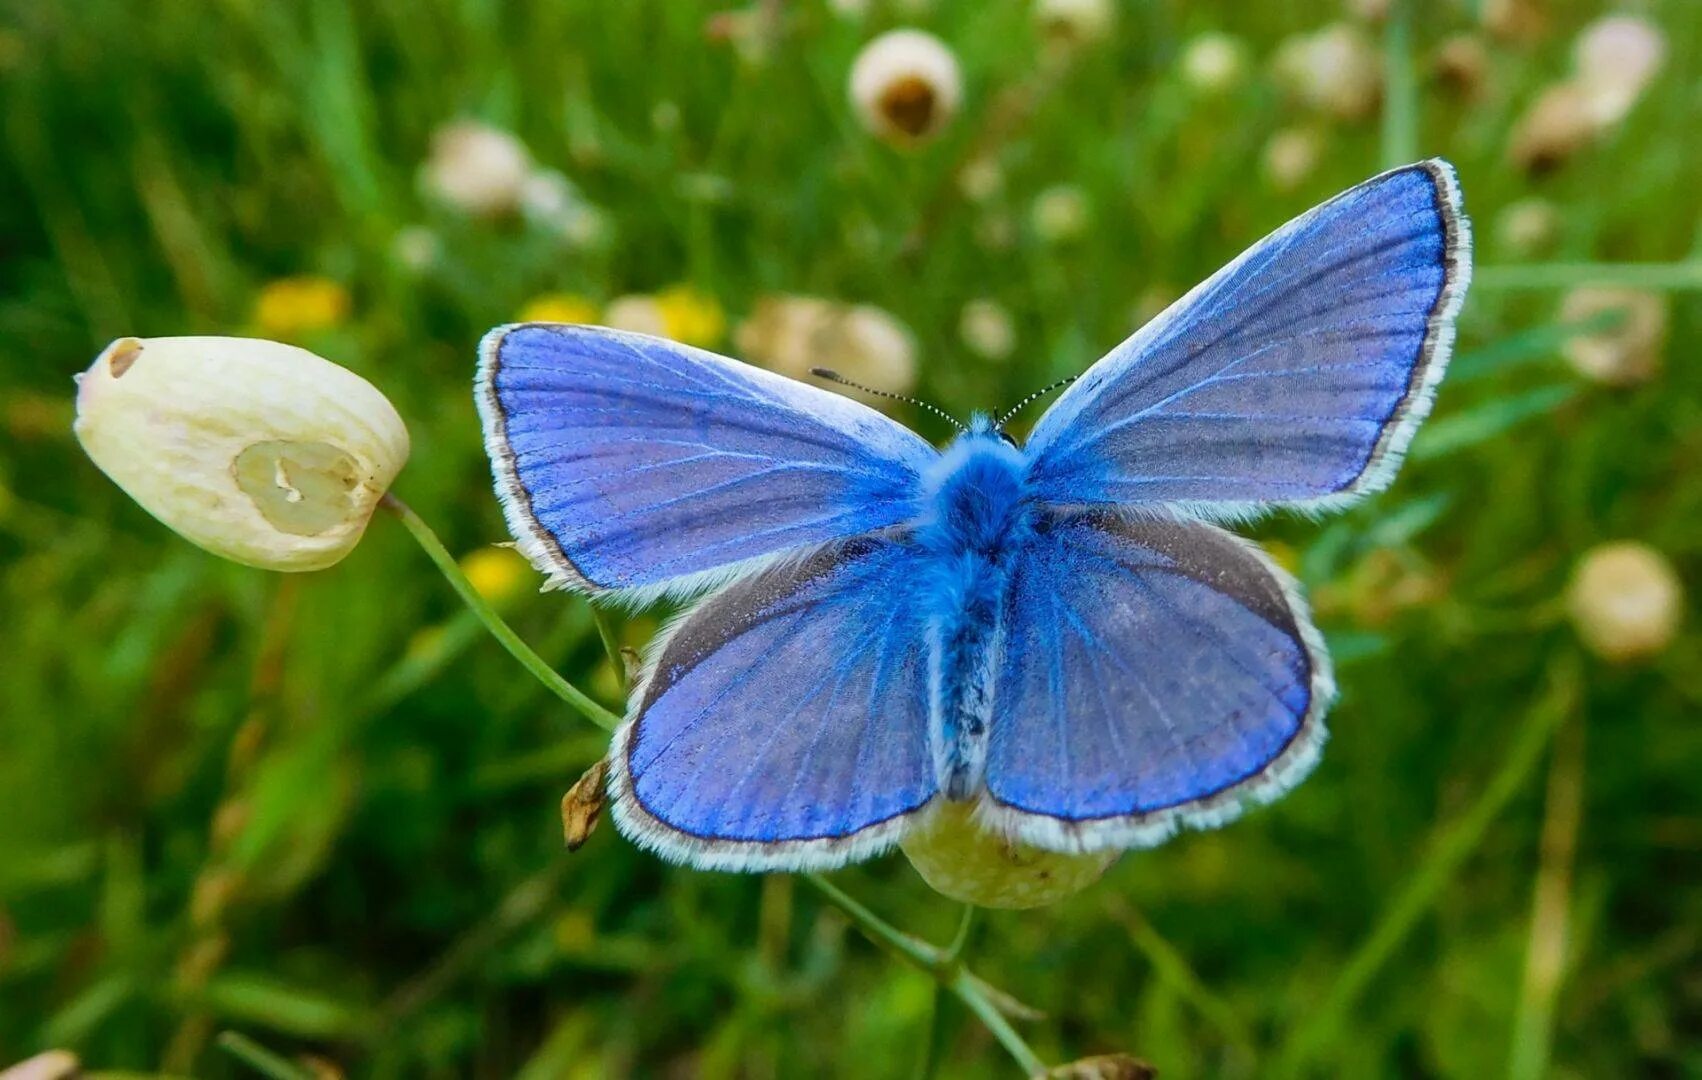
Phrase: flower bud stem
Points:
(581, 702)
(945, 965)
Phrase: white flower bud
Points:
(1527, 227)
(1214, 63)
(1625, 600)
(1615, 58)
(906, 86)
(1075, 22)
(1625, 353)
(1556, 126)
(959, 859)
(1060, 214)
(792, 334)
(1292, 156)
(477, 169)
(1336, 70)
(987, 329)
(637, 313)
(261, 452)
(1463, 64)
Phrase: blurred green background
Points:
(320, 811)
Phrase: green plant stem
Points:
(946, 968)
(1400, 89)
(1453, 846)
(422, 533)
(611, 644)
(263, 1061)
(1546, 953)
(1560, 275)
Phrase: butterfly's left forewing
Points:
(783, 723)
(1156, 672)
(634, 465)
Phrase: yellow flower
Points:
(959, 859)
(292, 306)
(496, 573)
(559, 308)
(691, 316)
(260, 452)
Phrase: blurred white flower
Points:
(1558, 124)
(1626, 601)
(1614, 59)
(258, 451)
(1336, 70)
(477, 169)
(981, 179)
(1292, 156)
(1060, 213)
(1213, 63)
(905, 86)
(961, 860)
(639, 313)
(549, 200)
(1075, 22)
(792, 334)
(1462, 64)
(1527, 227)
(416, 248)
(1519, 21)
(987, 329)
(1625, 353)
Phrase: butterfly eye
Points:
(1006, 436)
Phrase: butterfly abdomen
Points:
(975, 514)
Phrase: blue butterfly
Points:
(1056, 632)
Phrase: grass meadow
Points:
(307, 825)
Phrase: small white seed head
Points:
(1625, 353)
(792, 334)
(988, 330)
(1214, 63)
(1626, 601)
(906, 86)
(477, 169)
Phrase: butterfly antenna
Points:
(1032, 398)
(833, 376)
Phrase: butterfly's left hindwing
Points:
(1294, 376)
(626, 463)
(783, 723)
(1155, 672)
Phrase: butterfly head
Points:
(975, 493)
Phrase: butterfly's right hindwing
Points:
(1155, 673)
